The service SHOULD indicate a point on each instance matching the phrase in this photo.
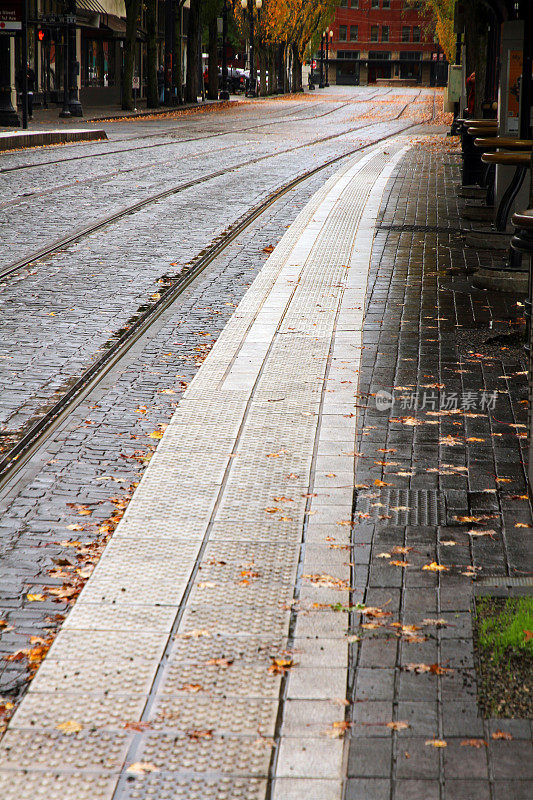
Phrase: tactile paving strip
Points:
(172, 786)
(55, 786)
(237, 755)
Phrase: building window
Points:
(354, 3)
(343, 33)
(416, 33)
(347, 55)
(384, 33)
(406, 34)
(354, 30)
(386, 3)
(344, 3)
(98, 62)
(375, 3)
(378, 55)
(374, 33)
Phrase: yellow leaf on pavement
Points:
(70, 726)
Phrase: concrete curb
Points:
(21, 139)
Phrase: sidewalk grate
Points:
(403, 507)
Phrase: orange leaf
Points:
(398, 726)
(196, 735)
(280, 666)
(220, 662)
(502, 735)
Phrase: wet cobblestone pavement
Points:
(53, 315)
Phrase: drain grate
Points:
(503, 586)
(402, 507)
(418, 228)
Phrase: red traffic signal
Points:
(41, 35)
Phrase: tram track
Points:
(39, 431)
(28, 196)
(173, 143)
(215, 134)
(121, 213)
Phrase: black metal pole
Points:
(321, 83)
(169, 49)
(201, 82)
(326, 83)
(252, 73)
(74, 66)
(24, 54)
(526, 83)
(65, 111)
(224, 93)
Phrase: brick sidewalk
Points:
(426, 331)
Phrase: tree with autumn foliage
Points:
(440, 14)
(295, 25)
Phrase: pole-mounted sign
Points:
(10, 15)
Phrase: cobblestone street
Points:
(245, 563)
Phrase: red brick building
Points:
(382, 40)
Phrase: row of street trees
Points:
(286, 32)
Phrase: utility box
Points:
(454, 87)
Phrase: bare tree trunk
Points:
(132, 14)
(263, 71)
(177, 74)
(296, 70)
(193, 29)
(271, 70)
(286, 54)
(212, 70)
(476, 49)
(152, 99)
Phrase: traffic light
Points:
(43, 34)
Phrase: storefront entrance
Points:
(348, 73)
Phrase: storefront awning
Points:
(115, 8)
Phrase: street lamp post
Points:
(74, 65)
(65, 111)
(224, 93)
(252, 80)
(321, 82)
(328, 35)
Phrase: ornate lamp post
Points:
(328, 36)
(249, 4)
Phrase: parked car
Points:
(236, 79)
